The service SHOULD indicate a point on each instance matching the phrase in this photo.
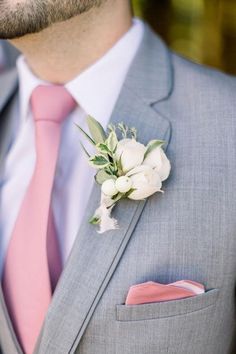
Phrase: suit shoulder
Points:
(199, 79)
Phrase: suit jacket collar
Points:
(150, 77)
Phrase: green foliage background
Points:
(202, 30)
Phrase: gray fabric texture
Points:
(11, 54)
(189, 232)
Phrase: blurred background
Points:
(202, 30)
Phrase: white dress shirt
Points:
(96, 91)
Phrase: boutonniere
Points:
(125, 168)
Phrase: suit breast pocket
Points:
(166, 309)
(180, 326)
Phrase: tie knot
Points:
(51, 103)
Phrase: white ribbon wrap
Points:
(104, 214)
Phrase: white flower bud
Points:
(157, 159)
(123, 184)
(109, 187)
(145, 182)
(131, 154)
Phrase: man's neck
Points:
(62, 51)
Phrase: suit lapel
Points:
(8, 87)
(94, 256)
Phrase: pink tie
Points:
(33, 263)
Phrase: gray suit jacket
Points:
(11, 54)
(189, 232)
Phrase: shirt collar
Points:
(97, 88)
(27, 83)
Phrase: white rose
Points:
(145, 180)
(131, 153)
(157, 159)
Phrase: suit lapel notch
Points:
(151, 75)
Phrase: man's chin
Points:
(33, 16)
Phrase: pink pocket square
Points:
(155, 292)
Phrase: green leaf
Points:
(102, 176)
(117, 197)
(111, 169)
(130, 192)
(95, 220)
(86, 135)
(96, 130)
(111, 127)
(103, 148)
(86, 152)
(119, 166)
(153, 144)
(124, 129)
(133, 133)
(99, 161)
(112, 141)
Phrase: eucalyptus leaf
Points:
(102, 176)
(99, 161)
(96, 130)
(153, 144)
(86, 135)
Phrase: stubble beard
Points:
(33, 16)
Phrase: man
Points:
(89, 57)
